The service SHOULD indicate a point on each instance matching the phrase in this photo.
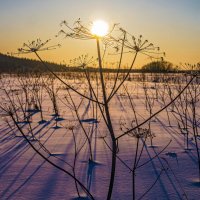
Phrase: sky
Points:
(173, 25)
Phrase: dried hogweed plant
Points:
(121, 43)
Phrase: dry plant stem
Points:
(71, 88)
(117, 156)
(22, 109)
(134, 168)
(186, 120)
(136, 120)
(144, 122)
(50, 162)
(195, 130)
(185, 113)
(41, 145)
(111, 131)
(136, 160)
(79, 120)
(12, 104)
(137, 157)
(115, 91)
(96, 96)
(119, 66)
(169, 121)
(179, 183)
(53, 96)
(39, 98)
(74, 164)
(180, 109)
(152, 184)
(196, 143)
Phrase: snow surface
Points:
(26, 175)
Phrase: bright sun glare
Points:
(99, 28)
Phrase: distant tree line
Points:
(11, 64)
(167, 67)
(159, 66)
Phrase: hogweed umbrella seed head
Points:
(35, 46)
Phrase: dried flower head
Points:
(142, 133)
(36, 45)
(140, 45)
(83, 61)
(81, 31)
(70, 125)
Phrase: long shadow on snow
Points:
(26, 181)
(190, 154)
(15, 179)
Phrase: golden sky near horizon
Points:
(173, 25)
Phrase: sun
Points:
(99, 28)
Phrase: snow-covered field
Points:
(164, 150)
